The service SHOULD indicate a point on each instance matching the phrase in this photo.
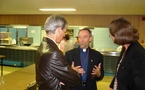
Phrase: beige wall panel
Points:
(76, 19)
(6, 19)
(84, 20)
(42, 19)
(79, 20)
(70, 19)
(141, 30)
(18, 19)
(100, 21)
(133, 19)
(91, 20)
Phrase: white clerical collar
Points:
(84, 50)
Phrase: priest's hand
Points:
(77, 69)
(96, 70)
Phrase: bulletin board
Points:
(70, 32)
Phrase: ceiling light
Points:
(57, 9)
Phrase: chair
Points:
(32, 86)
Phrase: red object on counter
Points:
(142, 41)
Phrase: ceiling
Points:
(101, 7)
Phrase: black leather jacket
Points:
(52, 68)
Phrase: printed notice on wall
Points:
(32, 31)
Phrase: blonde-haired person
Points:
(66, 44)
(76, 44)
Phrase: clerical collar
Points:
(84, 49)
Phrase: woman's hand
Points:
(110, 89)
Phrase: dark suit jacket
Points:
(131, 74)
(95, 58)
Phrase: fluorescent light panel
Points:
(57, 9)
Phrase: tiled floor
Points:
(102, 85)
(17, 78)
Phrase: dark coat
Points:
(94, 59)
(131, 74)
(52, 68)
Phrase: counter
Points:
(19, 47)
(107, 53)
(110, 61)
(18, 55)
(25, 55)
(143, 44)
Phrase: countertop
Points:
(19, 47)
(105, 53)
(110, 53)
